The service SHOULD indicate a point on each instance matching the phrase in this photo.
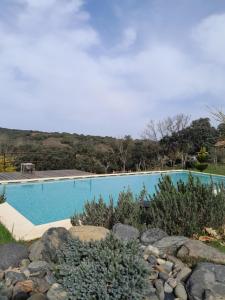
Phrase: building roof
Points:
(220, 144)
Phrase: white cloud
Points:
(210, 37)
(54, 77)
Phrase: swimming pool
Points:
(50, 201)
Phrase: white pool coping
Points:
(22, 229)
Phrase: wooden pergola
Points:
(220, 150)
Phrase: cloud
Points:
(56, 73)
(210, 37)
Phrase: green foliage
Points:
(202, 155)
(183, 208)
(102, 270)
(96, 213)
(5, 235)
(2, 199)
(127, 211)
(201, 166)
(186, 208)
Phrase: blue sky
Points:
(107, 67)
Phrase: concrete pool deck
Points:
(22, 229)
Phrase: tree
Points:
(156, 131)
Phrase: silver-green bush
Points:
(103, 270)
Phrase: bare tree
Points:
(218, 115)
(155, 131)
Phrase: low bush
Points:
(183, 208)
(128, 210)
(2, 199)
(186, 208)
(102, 270)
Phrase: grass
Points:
(217, 245)
(5, 235)
(216, 169)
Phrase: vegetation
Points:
(179, 209)
(215, 169)
(186, 208)
(5, 235)
(168, 143)
(127, 211)
(2, 198)
(202, 156)
(107, 269)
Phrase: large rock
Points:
(170, 244)
(11, 254)
(152, 235)
(207, 278)
(46, 248)
(56, 292)
(38, 297)
(194, 251)
(125, 232)
(88, 233)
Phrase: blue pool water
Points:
(44, 202)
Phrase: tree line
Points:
(167, 143)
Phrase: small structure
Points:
(27, 168)
(220, 151)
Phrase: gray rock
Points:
(164, 276)
(159, 289)
(152, 235)
(183, 274)
(24, 263)
(5, 291)
(180, 292)
(170, 244)
(11, 254)
(12, 277)
(38, 268)
(21, 296)
(167, 288)
(46, 248)
(206, 277)
(152, 260)
(151, 250)
(125, 232)
(2, 275)
(194, 251)
(38, 297)
(41, 285)
(56, 292)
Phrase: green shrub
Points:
(186, 208)
(2, 199)
(102, 270)
(98, 213)
(201, 166)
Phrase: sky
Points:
(107, 67)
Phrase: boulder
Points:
(21, 296)
(194, 251)
(207, 278)
(125, 232)
(88, 233)
(46, 248)
(152, 235)
(56, 292)
(12, 277)
(170, 244)
(38, 297)
(11, 254)
(38, 268)
(25, 286)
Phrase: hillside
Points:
(97, 154)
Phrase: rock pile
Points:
(177, 265)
